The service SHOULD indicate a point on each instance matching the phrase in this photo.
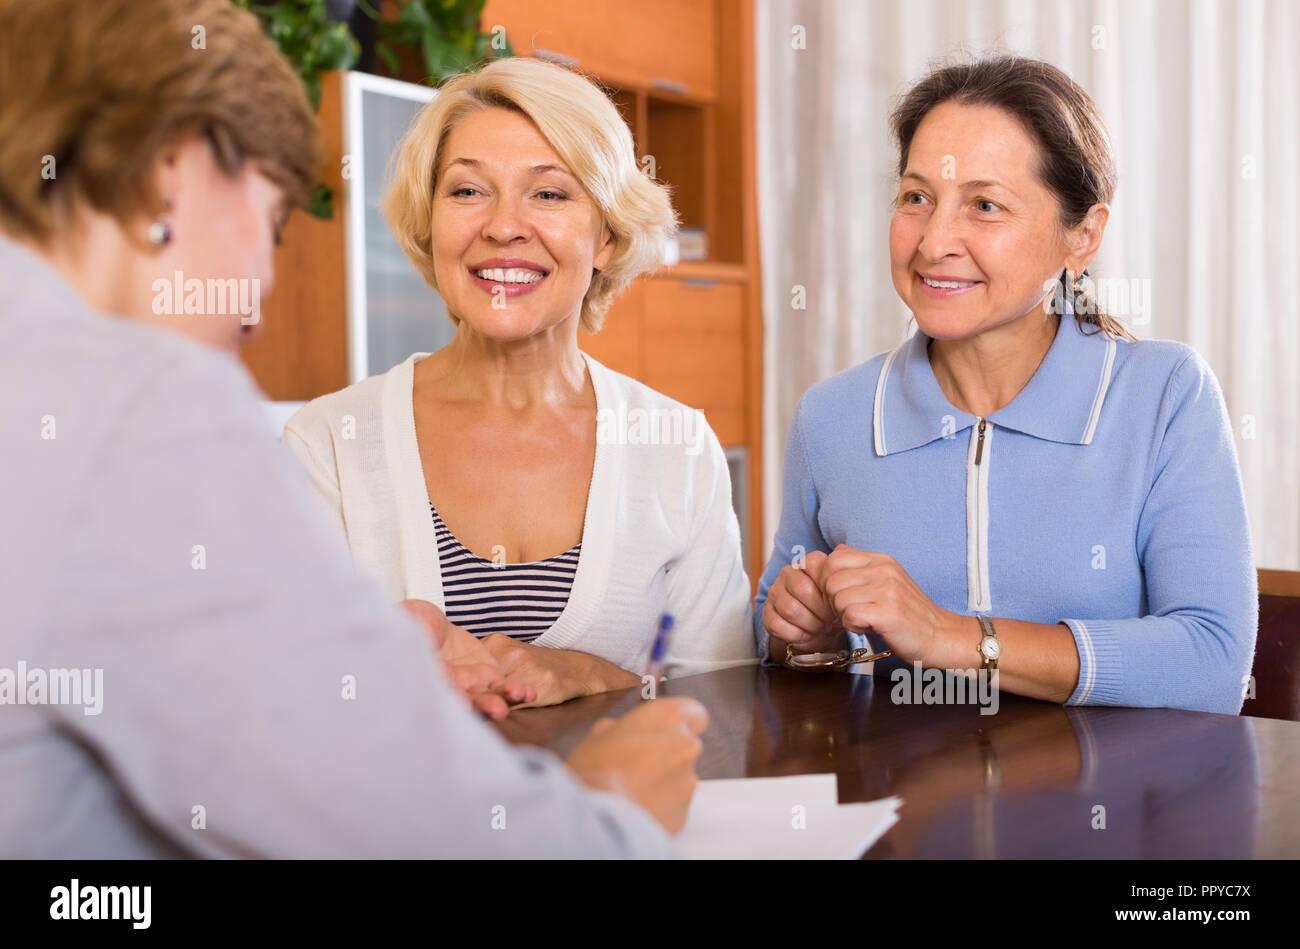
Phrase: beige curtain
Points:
(1203, 103)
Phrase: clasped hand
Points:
(811, 604)
(497, 673)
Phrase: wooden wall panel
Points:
(302, 351)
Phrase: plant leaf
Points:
(322, 203)
(384, 52)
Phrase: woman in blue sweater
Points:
(1021, 485)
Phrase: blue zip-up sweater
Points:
(1106, 496)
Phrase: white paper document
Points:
(786, 818)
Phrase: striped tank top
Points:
(522, 600)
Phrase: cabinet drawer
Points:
(619, 344)
(694, 349)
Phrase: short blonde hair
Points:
(99, 90)
(583, 126)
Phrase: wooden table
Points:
(1032, 780)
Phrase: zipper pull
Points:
(979, 447)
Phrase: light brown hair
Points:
(94, 92)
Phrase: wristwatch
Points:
(990, 648)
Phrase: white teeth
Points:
(512, 275)
(948, 284)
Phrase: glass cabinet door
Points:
(392, 312)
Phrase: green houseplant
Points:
(446, 33)
(313, 44)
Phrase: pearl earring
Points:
(160, 231)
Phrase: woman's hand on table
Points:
(862, 591)
(647, 756)
(470, 666)
(797, 611)
(870, 592)
(554, 675)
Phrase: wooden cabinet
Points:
(684, 337)
(694, 349)
(652, 44)
(574, 34)
(667, 45)
(620, 344)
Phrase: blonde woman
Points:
(490, 477)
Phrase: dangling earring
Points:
(160, 231)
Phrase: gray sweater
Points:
(188, 663)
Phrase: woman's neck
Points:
(980, 374)
(545, 369)
(92, 255)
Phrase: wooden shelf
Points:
(704, 270)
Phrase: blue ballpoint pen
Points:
(660, 648)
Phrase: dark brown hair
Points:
(103, 88)
(1075, 161)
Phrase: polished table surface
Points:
(1033, 780)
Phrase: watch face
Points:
(991, 648)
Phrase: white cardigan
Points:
(660, 534)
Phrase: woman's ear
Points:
(1085, 238)
(606, 252)
(167, 174)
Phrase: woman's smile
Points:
(511, 277)
(941, 287)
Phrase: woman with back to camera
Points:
(489, 477)
(155, 535)
(1018, 487)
